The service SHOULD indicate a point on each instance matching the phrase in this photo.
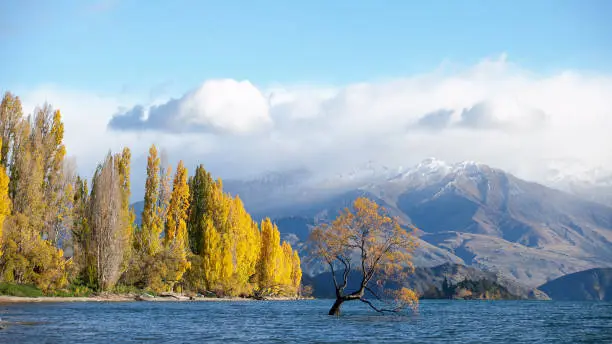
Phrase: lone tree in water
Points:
(370, 242)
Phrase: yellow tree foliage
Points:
(122, 162)
(278, 268)
(211, 255)
(165, 191)
(5, 201)
(246, 243)
(176, 225)
(27, 177)
(284, 265)
(227, 262)
(55, 187)
(296, 271)
(234, 232)
(272, 271)
(152, 223)
(220, 209)
(366, 238)
(266, 263)
(33, 153)
(29, 259)
(52, 209)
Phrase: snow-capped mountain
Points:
(591, 184)
(472, 214)
(429, 171)
(301, 186)
(370, 172)
(467, 213)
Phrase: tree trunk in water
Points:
(335, 310)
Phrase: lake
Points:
(306, 321)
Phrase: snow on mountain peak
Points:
(433, 170)
(432, 164)
(468, 167)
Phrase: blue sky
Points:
(248, 87)
(126, 45)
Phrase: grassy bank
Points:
(130, 298)
(11, 289)
(14, 293)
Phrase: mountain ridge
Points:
(467, 213)
(588, 285)
(472, 214)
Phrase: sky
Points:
(246, 87)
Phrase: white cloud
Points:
(237, 129)
(228, 105)
(225, 106)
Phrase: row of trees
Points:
(193, 236)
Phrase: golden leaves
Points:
(365, 232)
(5, 202)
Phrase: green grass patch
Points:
(21, 290)
(72, 290)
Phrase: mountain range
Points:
(593, 184)
(466, 213)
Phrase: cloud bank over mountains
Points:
(494, 112)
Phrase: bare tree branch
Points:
(379, 310)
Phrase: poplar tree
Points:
(296, 271)
(246, 243)
(270, 240)
(201, 197)
(10, 116)
(108, 223)
(152, 223)
(176, 227)
(5, 201)
(211, 255)
(165, 187)
(285, 265)
(80, 229)
(126, 214)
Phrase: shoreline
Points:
(134, 298)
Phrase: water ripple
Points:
(306, 321)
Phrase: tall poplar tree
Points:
(126, 214)
(108, 244)
(268, 254)
(5, 201)
(10, 116)
(201, 197)
(175, 239)
(211, 255)
(152, 223)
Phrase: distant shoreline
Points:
(133, 298)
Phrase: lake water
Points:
(306, 321)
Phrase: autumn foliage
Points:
(56, 228)
(366, 240)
